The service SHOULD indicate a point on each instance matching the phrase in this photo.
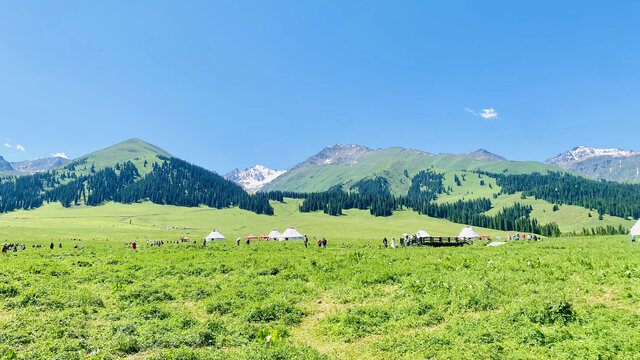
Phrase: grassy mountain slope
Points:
(134, 150)
(390, 163)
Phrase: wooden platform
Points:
(441, 241)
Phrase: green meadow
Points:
(564, 298)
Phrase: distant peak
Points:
(482, 155)
(581, 153)
(346, 146)
(254, 178)
(339, 154)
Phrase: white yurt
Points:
(635, 230)
(291, 234)
(468, 233)
(421, 234)
(215, 235)
(274, 235)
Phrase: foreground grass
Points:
(562, 298)
(565, 298)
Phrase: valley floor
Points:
(568, 298)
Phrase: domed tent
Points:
(635, 230)
(468, 233)
(421, 234)
(275, 235)
(215, 235)
(291, 234)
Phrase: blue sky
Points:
(227, 84)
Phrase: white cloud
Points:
(20, 147)
(488, 114)
(7, 145)
(60, 155)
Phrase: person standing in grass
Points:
(51, 246)
(306, 241)
(319, 242)
(324, 243)
(384, 242)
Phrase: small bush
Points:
(553, 312)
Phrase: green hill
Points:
(398, 165)
(134, 150)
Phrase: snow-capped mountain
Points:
(255, 178)
(39, 165)
(609, 164)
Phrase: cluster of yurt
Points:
(215, 235)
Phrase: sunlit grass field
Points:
(567, 298)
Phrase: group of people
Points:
(523, 237)
(15, 247)
(404, 241)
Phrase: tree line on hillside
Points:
(173, 182)
(424, 189)
(616, 199)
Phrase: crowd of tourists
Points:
(523, 237)
(22, 247)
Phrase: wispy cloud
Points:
(488, 114)
(20, 147)
(7, 145)
(60, 155)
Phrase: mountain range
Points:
(136, 171)
(29, 167)
(346, 164)
(608, 164)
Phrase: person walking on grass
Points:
(324, 243)
(306, 241)
(238, 241)
(51, 246)
(384, 242)
(319, 242)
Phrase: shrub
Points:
(553, 312)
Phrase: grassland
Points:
(148, 222)
(569, 298)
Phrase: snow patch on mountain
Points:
(582, 153)
(253, 179)
(608, 164)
